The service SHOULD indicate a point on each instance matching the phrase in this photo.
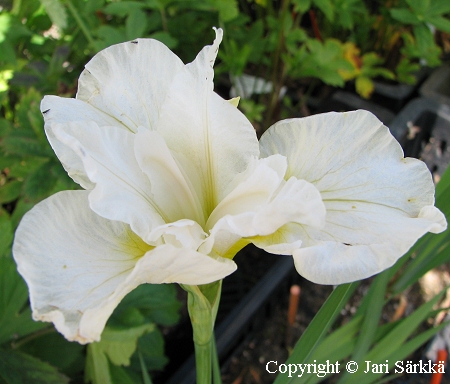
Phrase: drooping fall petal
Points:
(378, 203)
(78, 265)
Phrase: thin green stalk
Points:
(80, 23)
(145, 376)
(277, 74)
(203, 362)
(164, 19)
(32, 336)
(203, 303)
(217, 379)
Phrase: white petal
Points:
(181, 234)
(78, 266)
(170, 264)
(164, 264)
(262, 204)
(297, 202)
(284, 241)
(252, 189)
(171, 189)
(209, 137)
(378, 203)
(73, 261)
(335, 262)
(130, 81)
(122, 191)
(356, 245)
(60, 110)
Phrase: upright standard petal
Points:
(130, 81)
(171, 189)
(377, 202)
(78, 265)
(124, 86)
(210, 139)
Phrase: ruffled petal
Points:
(182, 234)
(122, 191)
(380, 239)
(261, 205)
(130, 81)
(378, 203)
(210, 139)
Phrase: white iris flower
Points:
(175, 183)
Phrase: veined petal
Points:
(122, 191)
(171, 189)
(207, 135)
(73, 262)
(130, 81)
(360, 244)
(60, 110)
(378, 203)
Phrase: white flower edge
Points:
(377, 202)
(79, 266)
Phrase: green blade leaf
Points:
(318, 327)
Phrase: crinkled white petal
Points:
(78, 265)
(130, 81)
(252, 189)
(335, 262)
(377, 202)
(211, 139)
(182, 234)
(262, 204)
(122, 191)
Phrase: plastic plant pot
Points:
(395, 95)
(341, 101)
(423, 130)
(437, 86)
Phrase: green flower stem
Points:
(217, 379)
(203, 303)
